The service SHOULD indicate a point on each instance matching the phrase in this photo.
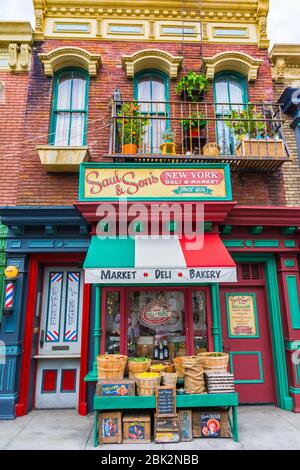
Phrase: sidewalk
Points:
(264, 427)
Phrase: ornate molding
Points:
(152, 58)
(69, 57)
(233, 61)
(285, 59)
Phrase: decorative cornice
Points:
(70, 56)
(285, 59)
(16, 40)
(152, 58)
(266, 216)
(234, 61)
(40, 215)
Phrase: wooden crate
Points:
(166, 424)
(136, 428)
(110, 427)
(261, 148)
(185, 425)
(115, 388)
(213, 414)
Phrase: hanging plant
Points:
(192, 85)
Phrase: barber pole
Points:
(9, 296)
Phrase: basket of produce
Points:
(214, 361)
(147, 382)
(111, 366)
(158, 368)
(178, 366)
(169, 379)
(138, 364)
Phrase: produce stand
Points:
(224, 400)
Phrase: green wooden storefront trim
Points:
(97, 328)
(289, 263)
(257, 335)
(216, 318)
(234, 243)
(289, 243)
(292, 290)
(294, 390)
(282, 389)
(260, 364)
(266, 243)
(292, 345)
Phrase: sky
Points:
(283, 18)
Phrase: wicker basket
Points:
(178, 366)
(213, 362)
(169, 379)
(153, 368)
(147, 386)
(136, 367)
(111, 366)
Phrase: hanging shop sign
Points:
(242, 315)
(99, 182)
(156, 313)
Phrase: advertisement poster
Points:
(242, 317)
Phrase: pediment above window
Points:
(233, 62)
(152, 59)
(70, 57)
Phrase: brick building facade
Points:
(114, 53)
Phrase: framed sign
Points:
(165, 402)
(141, 182)
(156, 313)
(242, 317)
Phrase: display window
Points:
(159, 323)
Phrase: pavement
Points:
(260, 427)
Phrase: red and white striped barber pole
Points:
(9, 297)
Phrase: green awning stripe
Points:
(110, 253)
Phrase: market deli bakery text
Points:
(192, 275)
(146, 183)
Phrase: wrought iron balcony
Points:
(248, 136)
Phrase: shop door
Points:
(59, 339)
(247, 340)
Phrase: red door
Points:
(247, 340)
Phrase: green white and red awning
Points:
(159, 261)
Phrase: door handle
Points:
(42, 340)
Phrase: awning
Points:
(158, 261)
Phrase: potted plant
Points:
(193, 126)
(192, 85)
(253, 134)
(131, 127)
(169, 136)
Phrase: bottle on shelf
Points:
(166, 350)
(161, 351)
(156, 351)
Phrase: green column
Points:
(216, 317)
(97, 327)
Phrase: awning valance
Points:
(158, 261)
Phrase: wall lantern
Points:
(11, 273)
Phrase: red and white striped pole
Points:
(11, 273)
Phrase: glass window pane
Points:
(199, 321)
(222, 97)
(144, 93)
(156, 318)
(64, 92)
(62, 129)
(78, 93)
(77, 129)
(113, 323)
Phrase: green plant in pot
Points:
(192, 85)
(169, 136)
(248, 123)
(194, 124)
(131, 125)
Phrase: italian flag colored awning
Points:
(159, 261)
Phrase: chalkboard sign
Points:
(165, 401)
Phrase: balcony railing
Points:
(248, 136)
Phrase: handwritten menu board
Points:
(166, 401)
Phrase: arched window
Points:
(151, 90)
(230, 94)
(69, 108)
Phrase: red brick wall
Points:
(12, 114)
(39, 188)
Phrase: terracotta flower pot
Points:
(129, 149)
